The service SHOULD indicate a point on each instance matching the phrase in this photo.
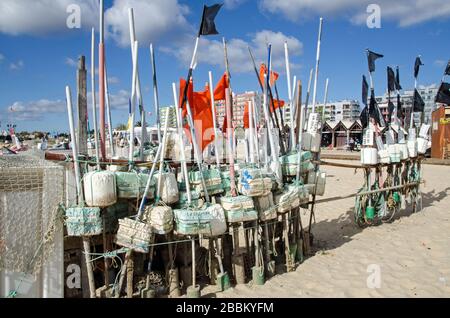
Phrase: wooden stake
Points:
(82, 106)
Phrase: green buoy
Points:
(370, 212)
(223, 281)
(258, 275)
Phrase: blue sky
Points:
(38, 52)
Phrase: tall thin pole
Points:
(155, 92)
(325, 100)
(94, 104)
(251, 131)
(317, 65)
(230, 140)
(213, 109)
(133, 102)
(181, 143)
(291, 107)
(86, 244)
(161, 161)
(138, 84)
(108, 115)
(101, 83)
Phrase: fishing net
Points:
(31, 191)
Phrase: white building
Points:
(347, 110)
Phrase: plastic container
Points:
(394, 153)
(403, 151)
(383, 156)
(412, 148)
(422, 145)
(100, 188)
(311, 141)
(369, 156)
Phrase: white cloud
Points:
(404, 12)
(440, 63)
(71, 62)
(211, 51)
(113, 80)
(36, 110)
(37, 17)
(232, 4)
(154, 20)
(16, 66)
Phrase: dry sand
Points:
(412, 253)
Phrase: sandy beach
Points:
(411, 254)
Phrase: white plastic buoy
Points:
(369, 156)
(422, 145)
(100, 188)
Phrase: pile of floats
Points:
(196, 224)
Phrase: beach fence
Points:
(31, 227)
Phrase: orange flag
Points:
(200, 103)
(276, 105)
(219, 91)
(273, 75)
(246, 117)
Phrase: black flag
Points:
(418, 103)
(375, 112)
(443, 95)
(364, 117)
(207, 26)
(391, 79)
(371, 57)
(397, 80)
(417, 65)
(365, 91)
(391, 108)
(447, 69)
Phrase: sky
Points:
(39, 52)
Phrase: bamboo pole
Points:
(86, 244)
(161, 162)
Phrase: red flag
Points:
(273, 75)
(276, 105)
(246, 117)
(219, 91)
(200, 104)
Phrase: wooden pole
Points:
(108, 116)
(230, 141)
(298, 113)
(86, 244)
(82, 106)
(155, 92)
(133, 102)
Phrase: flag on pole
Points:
(372, 57)
(392, 85)
(219, 91)
(443, 95)
(418, 103)
(365, 91)
(417, 65)
(397, 79)
(447, 69)
(208, 26)
(246, 116)
(263, 71)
